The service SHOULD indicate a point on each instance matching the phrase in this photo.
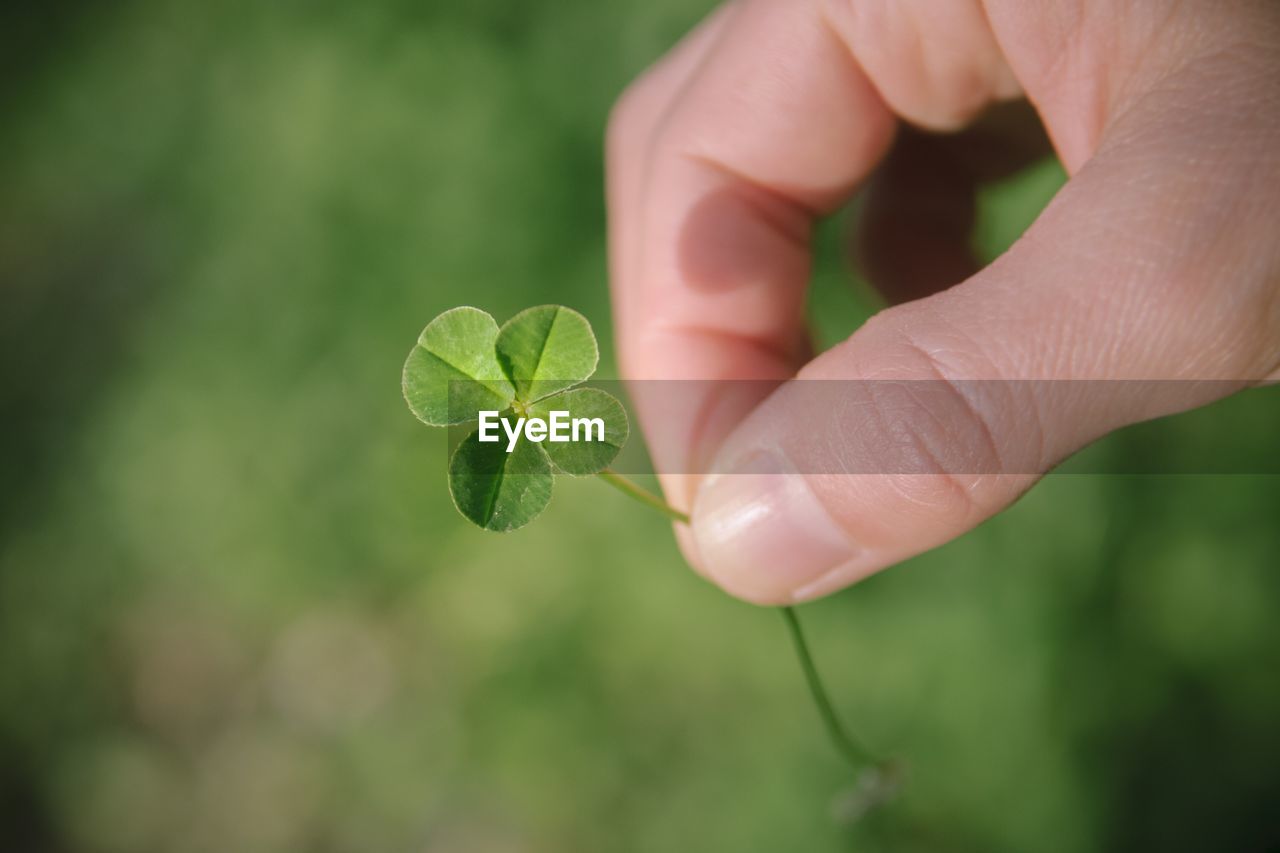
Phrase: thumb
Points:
(1156, 265)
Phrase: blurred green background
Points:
(238, 613)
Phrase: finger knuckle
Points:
(957, 424)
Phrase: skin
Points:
(1158, 259)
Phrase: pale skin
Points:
(1159, 259)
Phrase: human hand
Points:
(1159, 259)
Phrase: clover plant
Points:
(465, 367)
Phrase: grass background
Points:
(237, 611)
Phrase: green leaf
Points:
(453, 371)
(498, 490)
(585, 457)
(546, 349)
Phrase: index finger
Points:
(719, 161)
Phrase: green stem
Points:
(646, 497)
(847, 746)
(853, 752)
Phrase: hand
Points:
(1159, 259)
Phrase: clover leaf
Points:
(453, 372)
(546, 349)
(498, 490)
(582, 458)
(464, 364)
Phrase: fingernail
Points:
(762, 535)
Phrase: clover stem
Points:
(631, 489)
(848, 748)
(852, 751)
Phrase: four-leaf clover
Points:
(464, 364)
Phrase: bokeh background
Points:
(238, 613)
